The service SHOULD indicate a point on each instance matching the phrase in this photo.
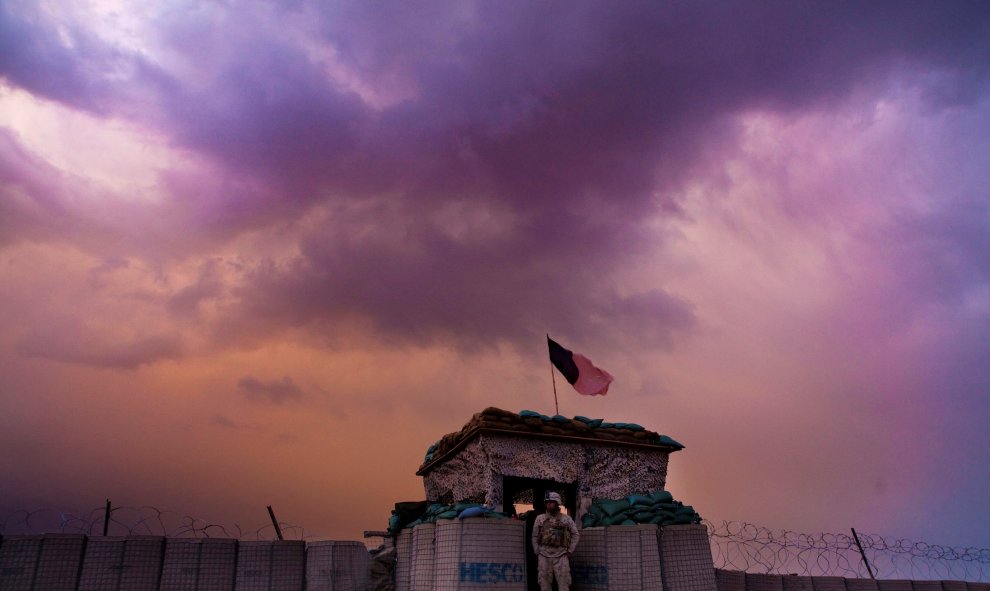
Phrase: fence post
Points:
(861, 553)
(106, 519)
(278, 530)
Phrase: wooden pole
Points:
(861, 553)
(106, 518)
(278, 530)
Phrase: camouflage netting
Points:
(532, 422)
(655, 508)
(600, 460)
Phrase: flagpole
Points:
(554, 380)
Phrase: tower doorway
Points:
(523, 497)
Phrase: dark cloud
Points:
(578, 122)
(272, 392)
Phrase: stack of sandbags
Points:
(436, 511)
(655, 508)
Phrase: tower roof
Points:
(529, 424)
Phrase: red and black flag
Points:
(579, 371)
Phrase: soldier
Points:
(555, 537)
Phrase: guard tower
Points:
(500, 458)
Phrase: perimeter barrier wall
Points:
(75, 562)
(453, 555)
(729, 580)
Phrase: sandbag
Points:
(615, 519)
(664, 440)
(476, 511)
(590, 422)
(612, 508)
(636, 499)
(661, 496)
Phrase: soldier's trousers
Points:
(549, 568)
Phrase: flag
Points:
(579, 371)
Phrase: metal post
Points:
(106, 518)
(861, 553)
(278, 530)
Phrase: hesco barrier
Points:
(763, 582)
(801, 583)
(18, 558)
(59, 563)
(403, 560)
(131, 563)
(270, 566)
(686, 558)
(867, 585)
(336, 566)
(832, 584)
(729, 581)
(423, 557)
(480, 553)
(199, 564)
(617, 557)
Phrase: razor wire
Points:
(147, 520)
(751, 548)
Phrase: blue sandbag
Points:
(447, 515)
(607, 425)
(664, 440)
(590, 422)
(628, 522)
(476, 511)
(560, 419)
(529, 413)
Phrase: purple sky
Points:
(267, 252)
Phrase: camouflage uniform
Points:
(555, 537)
